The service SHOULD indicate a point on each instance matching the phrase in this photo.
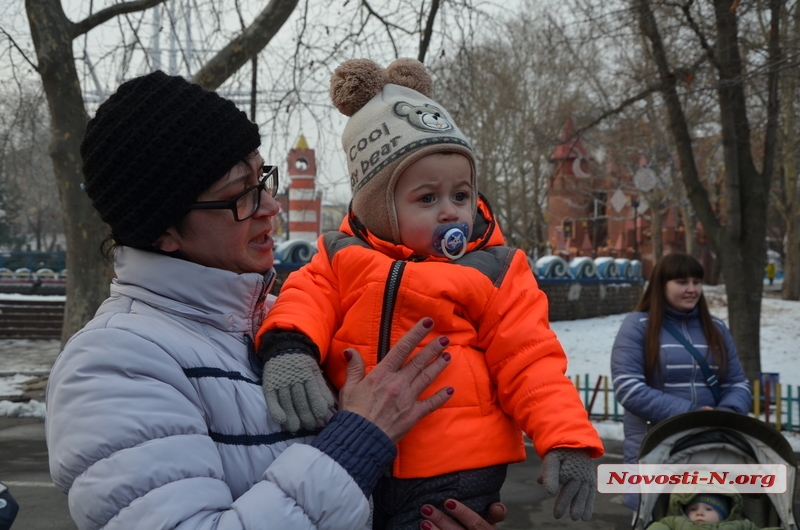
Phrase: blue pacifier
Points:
(451, 239)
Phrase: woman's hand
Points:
(388, 395)
(437, 520)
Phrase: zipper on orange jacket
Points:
(389, 300)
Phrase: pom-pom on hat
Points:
(393, 123)
(720, 503)
(153, 147)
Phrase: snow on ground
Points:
(31, 409)
(588, 346)
(587, 342)
(17, 296)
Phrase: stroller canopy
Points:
(720, 437)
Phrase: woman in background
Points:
(655, 374)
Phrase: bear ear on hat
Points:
(354, 83)
(412, 74)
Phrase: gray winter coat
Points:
(682, 386)
(156, 418)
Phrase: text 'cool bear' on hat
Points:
(393, 123)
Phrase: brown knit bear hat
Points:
(393, 123)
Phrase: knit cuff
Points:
(359, 446)
(277, 342)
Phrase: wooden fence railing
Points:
(30, 319)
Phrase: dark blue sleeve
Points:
(8, 508)
(359, 446)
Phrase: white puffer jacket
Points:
(156, 418)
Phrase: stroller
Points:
(720, 437)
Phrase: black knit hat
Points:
(153, 147)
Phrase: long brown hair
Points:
(676, 266)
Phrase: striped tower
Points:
(304, 201)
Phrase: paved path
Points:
(24, 469)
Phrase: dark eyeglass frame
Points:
(269, 177)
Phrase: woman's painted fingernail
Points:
(444, 341)
(427, 323)
(450, 505)
(348, 355)
(427, 510)
(425, 525)
(450, 391)
(446, 356)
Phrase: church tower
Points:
(304, 200)
(569, 204)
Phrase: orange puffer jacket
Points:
(507, 365)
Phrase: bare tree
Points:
(30, 174)
(696, 51)
(788, 200)
(13, 114)
(53, 35)
(740, 240)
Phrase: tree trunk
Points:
(88, 274)
(743, 270)
(791, 266)
(53, 36)
(743, 248)
(689, 232)
(655, 229)
(741, 242)
(790, 213)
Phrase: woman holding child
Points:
(155, 413)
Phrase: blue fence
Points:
(11, 262)
(782, 412)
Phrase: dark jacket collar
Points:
(682, 315)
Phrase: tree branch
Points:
(686, 8)
(379, 17)
(241, 49)
(92, 21)
(695, 191)
(773, 101)
(386, 24)
(14, 43)
(622, 106)
(425, 41)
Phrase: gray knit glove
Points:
(296, 392)
(573, 469)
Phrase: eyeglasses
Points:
(246, 204)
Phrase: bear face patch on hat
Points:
(393, 123)
(406, 121)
